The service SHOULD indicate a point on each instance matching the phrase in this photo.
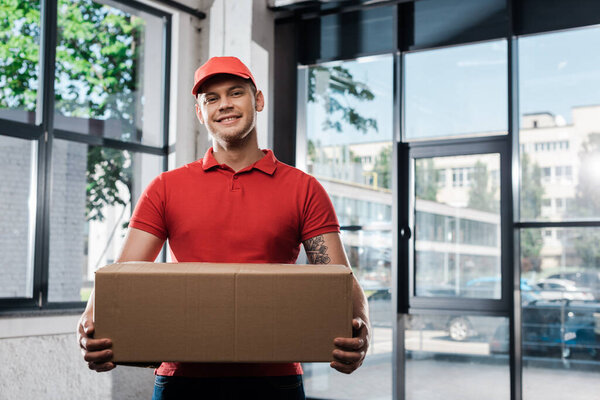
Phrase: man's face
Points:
(227, 106)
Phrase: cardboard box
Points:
(203, 312)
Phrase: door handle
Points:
(405, 233)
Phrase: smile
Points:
(228, 119)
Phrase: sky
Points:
(463, 89)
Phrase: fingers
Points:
(96, 352)
(349, 343)
(89, 344)
(98, 357)
(345, 368)
(350, 352)
(99, 361)
(348, 357)
(88, 327)
(357, 323)
(101, 367)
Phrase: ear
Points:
(199, 114)
(260, 101)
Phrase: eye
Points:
(237, 93)
(210, 99)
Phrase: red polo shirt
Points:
(260, 214)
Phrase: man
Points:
(236, 204)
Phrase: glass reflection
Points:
(560, 125)
(458, 351)
(457, 226)
(560, 310)
(456, 91)
(348, 145)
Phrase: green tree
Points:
(481, 195)
(340, 85)
(532, 193)
(587, 201)
(383, 167)
(97, 64)
(426, 180)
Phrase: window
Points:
(457, 233)
(441, 176)
(18, 171)
(557, 75)
(456, 91)
(352, 159)
(546, 174)
(19, 63)
(444, 49)
(448, 342)
(103, 144)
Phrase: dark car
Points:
(555, 328)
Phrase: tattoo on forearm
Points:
(316, 251)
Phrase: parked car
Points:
(554, 328)
(458, 327)
(589, 279)
(562, 289)
(461, 327)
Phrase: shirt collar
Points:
(267, 164)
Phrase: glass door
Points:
(457, 324)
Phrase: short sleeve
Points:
(149, 213)
(318, 215)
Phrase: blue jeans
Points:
(252, 387)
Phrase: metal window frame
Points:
(44, 132)
(458, 147)
(510, 178)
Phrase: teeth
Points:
(228, 119)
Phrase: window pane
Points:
(348, 34)
(438, 23)
(456, 91)
(19, 59)
(109, 72)
(561, 312)
(349, 136)
(92, 192)
(349, 118)
(457, 226)
(560, 125)
(18, 175)
(369, 253)
(456, 355)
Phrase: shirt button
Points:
(235, 177)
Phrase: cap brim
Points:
(201, 81)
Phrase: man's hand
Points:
(96, 352)
(350, 353)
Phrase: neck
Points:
(238, 155)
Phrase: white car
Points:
(561, 289)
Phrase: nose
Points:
(225, 103)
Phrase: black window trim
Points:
(43, 132)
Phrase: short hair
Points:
(248, 81)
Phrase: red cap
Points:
(220, 65)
